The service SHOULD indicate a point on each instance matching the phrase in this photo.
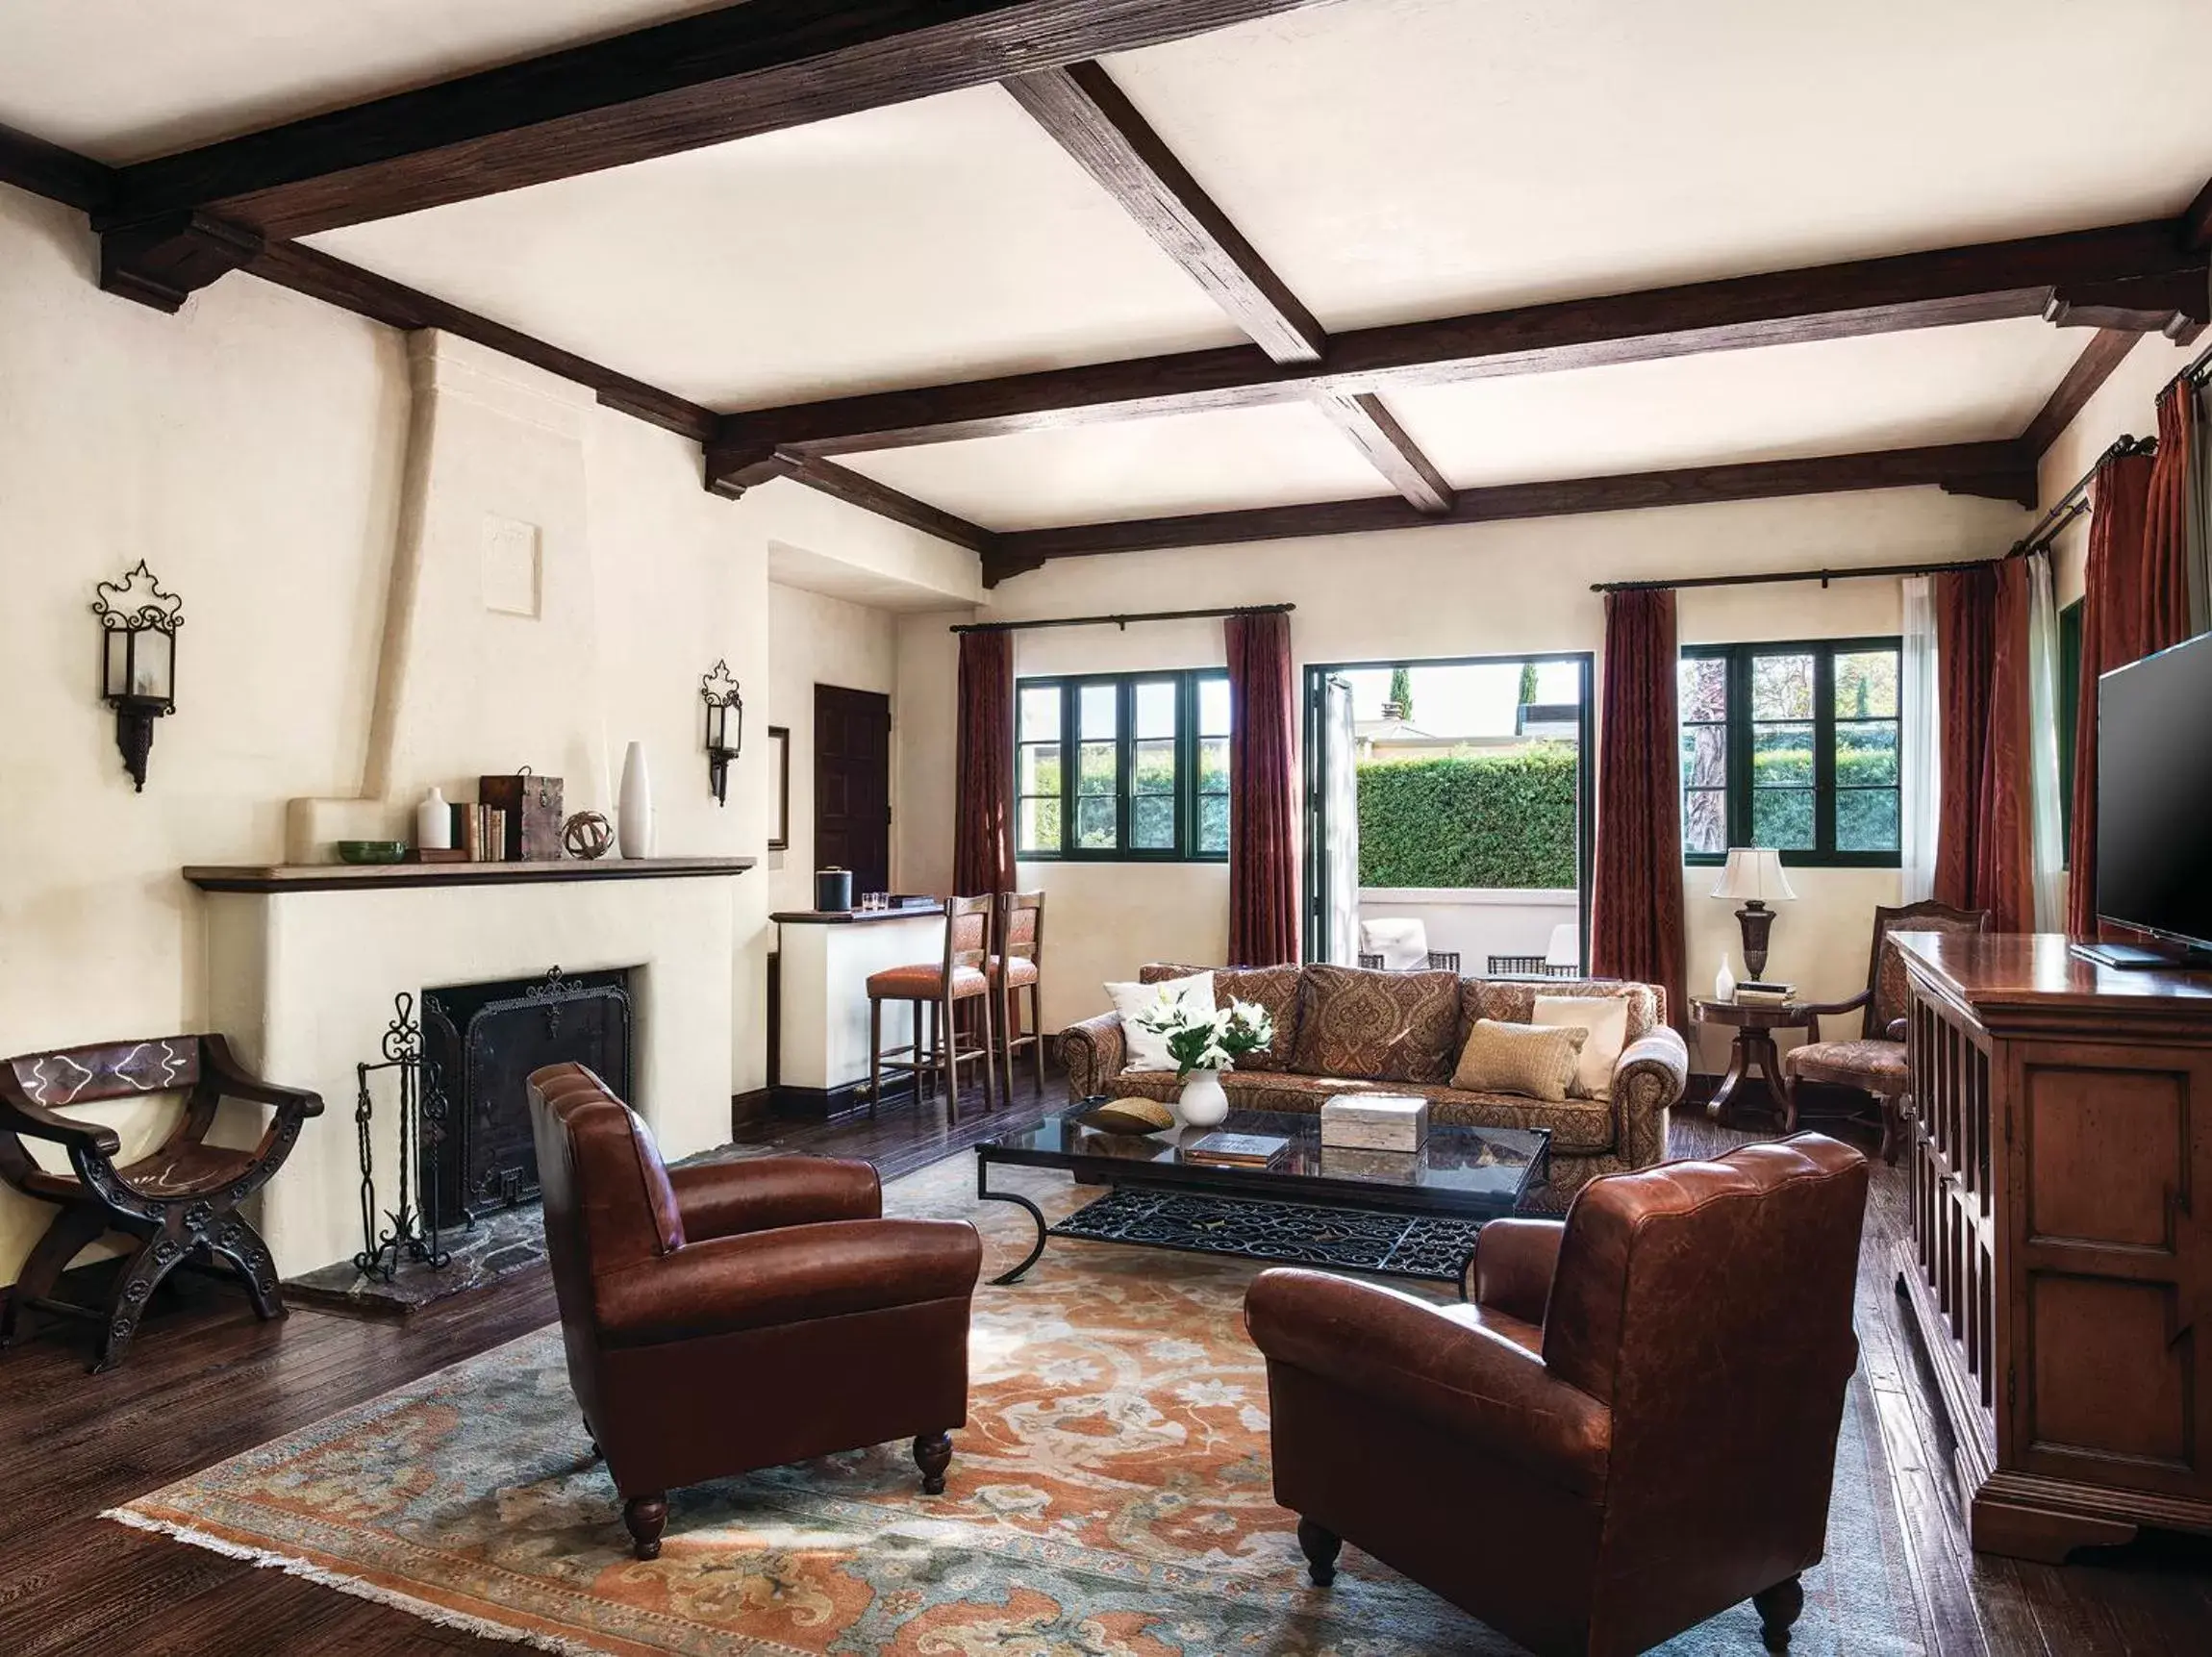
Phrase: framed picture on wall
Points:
(780, 764)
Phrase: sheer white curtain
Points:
(1919, 802)
(2046, 822)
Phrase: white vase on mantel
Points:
(634, 810)
(1202, 1104)
(434, 823)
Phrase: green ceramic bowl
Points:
(371, 850)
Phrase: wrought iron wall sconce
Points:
(138, 625)
(718, 689)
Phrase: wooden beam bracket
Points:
(162, 262)
(2169, 303)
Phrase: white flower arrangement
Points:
(1201, 1041)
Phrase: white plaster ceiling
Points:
(1931, 386)
(121, 80)
(938, 240)
(1402, 159)
(1269, 456)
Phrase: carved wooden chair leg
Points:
(239, 1243)
(75, 1229)
(1320, 1547)
(1778, 1607)
(157, 1257)
(933, 1454)
(647, 1517)
(1037, 1034)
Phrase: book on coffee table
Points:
(1237, 1150)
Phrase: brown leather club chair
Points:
(1633, 1427)
(743, 1315)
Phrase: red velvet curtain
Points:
(1636, 924)
(1985, 845)
(2124, 616)
(983, 820)
(1263, 791)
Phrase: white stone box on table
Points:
(1375, 1122)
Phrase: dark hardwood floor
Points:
(205, 1382)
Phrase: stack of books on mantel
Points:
(1760, 994)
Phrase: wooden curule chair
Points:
(1876, 1064)
(181, 1200)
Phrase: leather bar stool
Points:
(1018, 929)
(939, 989)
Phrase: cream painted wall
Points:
(1462, 589)
(820, 640)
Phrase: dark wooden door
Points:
(852, 785)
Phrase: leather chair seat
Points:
(1875, 1066)
(923, 980)
(1020, 971)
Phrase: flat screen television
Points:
(2155, 796)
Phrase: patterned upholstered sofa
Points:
(1344, 1030)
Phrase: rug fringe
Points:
(266, 1559)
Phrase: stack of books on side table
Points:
(1758, 994)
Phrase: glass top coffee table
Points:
(1399, 1214)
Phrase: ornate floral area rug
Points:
(1108, 1498)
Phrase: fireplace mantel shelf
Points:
(407, 876)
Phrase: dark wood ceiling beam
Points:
(2003, 471)
(1088, 116)
(2196, 222)
(856, 489)
(1363, 419)
(1978, 284)
(2103, 353)
(726, 74)
(52, 171)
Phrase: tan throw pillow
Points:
(1532, 1059)
(1606, 1019)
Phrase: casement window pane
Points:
(1866, 819)
(1040, 821)
(1782, 686)
(1703, 689)
(1705, 756)
(1783, 819)
(1214, 823)
(1214, 764)
(1867, 685)
(1152, 822)
(1152, 769)
(1705, 820)
(1156, 700)
(1097, 765)
(1040, 713)
(1040, 769)
(1214, 707)
(1099, 717)
(1866, 754)
(1094, 826)
(1781, 756)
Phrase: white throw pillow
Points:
(1606, 1019)
(1402, 945)
(1144, 1050)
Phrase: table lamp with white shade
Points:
(1754, 878)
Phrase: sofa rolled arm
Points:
(1095, 1052)
(766, 1278)
(1408, 1355)
(761, 1193)
(1515, 1260)
(1648, 1078)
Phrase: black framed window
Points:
(1794, 746)
(1129, 767)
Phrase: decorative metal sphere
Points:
(586, 835)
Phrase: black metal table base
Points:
(1434, 1247)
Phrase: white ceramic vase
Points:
(1725, 980)
(633, 826)
(1202, 1104)
(434, 823)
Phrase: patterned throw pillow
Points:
(1274, 988)
(1536, 1060)
(1380, 1026)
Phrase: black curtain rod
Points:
(1122, 621)
(2070, 505)
(2200, 370)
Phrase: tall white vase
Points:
(633, 828)
(1202, 1104)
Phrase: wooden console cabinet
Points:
(2060, 1259)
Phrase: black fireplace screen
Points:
(480, 1044)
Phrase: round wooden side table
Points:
(1753, 1050)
